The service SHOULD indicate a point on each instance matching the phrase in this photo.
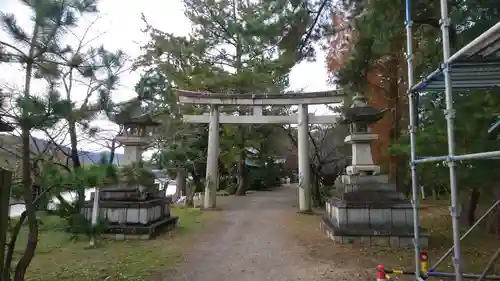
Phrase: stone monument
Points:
(134, 209)
(365, 208)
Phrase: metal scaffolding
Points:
(475, 66)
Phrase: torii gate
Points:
(257, 101)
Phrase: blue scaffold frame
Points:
(475, 66)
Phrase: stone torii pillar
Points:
(257, 101)
(212, 174)
(303, 158)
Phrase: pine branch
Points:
(311, 28)
(14, 30)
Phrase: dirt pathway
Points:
(252, 242)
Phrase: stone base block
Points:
(366, 214)
(363, 179)
(121, 236)
(130, 212)
(358, 169)
(215, 209)
(141, 232)
(395, 238)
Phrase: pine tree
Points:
(99, 69)
(239, 47)
(378, 51)
(37, 51)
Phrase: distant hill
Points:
(94, 157)
(10, 148)
(86, 157)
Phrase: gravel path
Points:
(250, 243)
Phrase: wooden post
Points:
(5, 187)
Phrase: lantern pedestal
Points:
(133, 211)
(362, 160)
(133, 148)
(365, 208)
(131, 214)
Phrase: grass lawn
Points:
(58, 259)
(476, 250)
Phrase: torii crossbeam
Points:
(257, 101)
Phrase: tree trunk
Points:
(493, 219)
(9, 256)
(5, 186)
(197, 184)
(315, 191)
(435, 195)
(240, 179)
(180, 181)
(29, 251)
(241, 175)
(394, 104)
(189, 195)
(223, 176)
(493, 223)
(75, 158)
(473, 201)
(112, 152)
(463, 198)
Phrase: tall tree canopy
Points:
(372, 45)
(38, 50)
(237, 47)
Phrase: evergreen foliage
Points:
(374, 32)
(235, 47)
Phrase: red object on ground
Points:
(381, 273)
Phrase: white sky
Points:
(121, 24)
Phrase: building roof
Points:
(5, 127)
(475, 66)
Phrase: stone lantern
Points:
(365, 208)
(137, 134)
(133, 211)
(358, 117)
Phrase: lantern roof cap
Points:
(361, 112)
(145, 119)
(134, 113)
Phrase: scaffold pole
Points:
(412, 129)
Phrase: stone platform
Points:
(369, 237)
(377, 223)
(131, 215)
(140, 232)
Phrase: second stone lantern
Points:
(365, 208)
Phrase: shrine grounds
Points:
(58, 259)
(256, 237)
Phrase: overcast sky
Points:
(120, 25)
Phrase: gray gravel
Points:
(250, 244)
